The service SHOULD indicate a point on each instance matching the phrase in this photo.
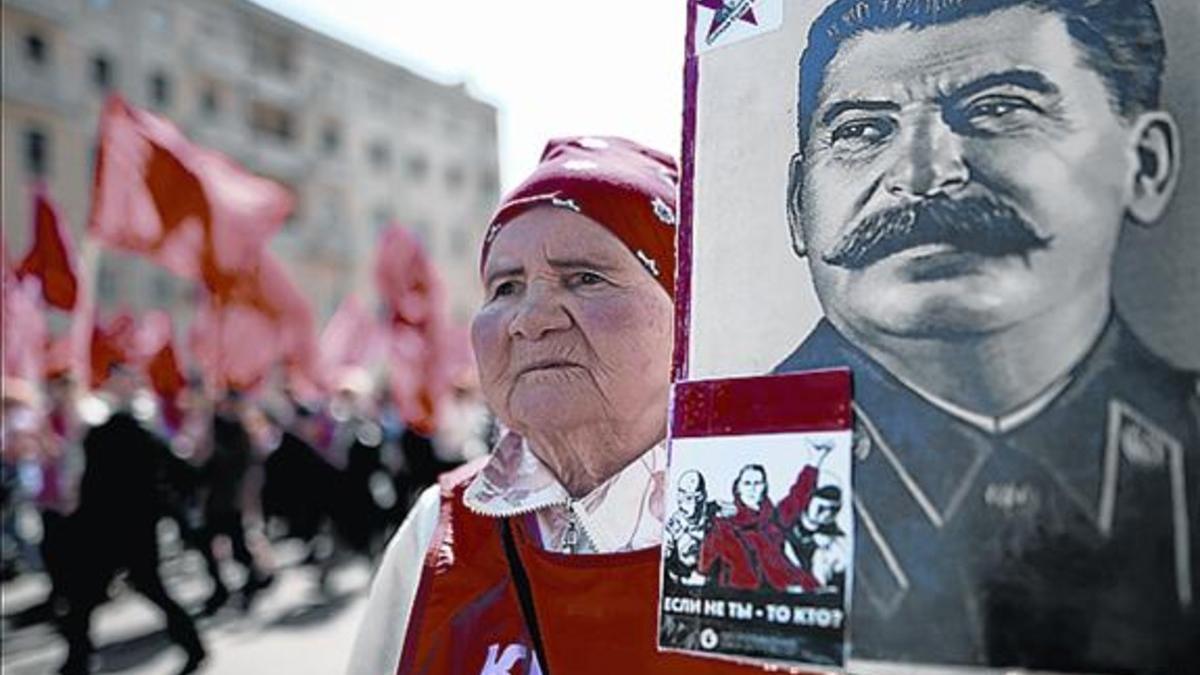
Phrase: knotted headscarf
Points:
(627, 188)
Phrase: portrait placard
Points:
(986, 210)
(759, 534)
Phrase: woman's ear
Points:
(1156, 167)
(794, 198)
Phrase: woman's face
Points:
(573, 330)
(751, 486)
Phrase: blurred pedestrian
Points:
(20, 476)
(115, 527)
(224, 475)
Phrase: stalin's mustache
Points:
(980, 224)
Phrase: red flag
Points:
(186, 207)
(112, 344)
(260, 321)
(162, 368)
(24, 325)
(166, 377)
(412, 291)
(51, 258)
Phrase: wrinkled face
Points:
(751, 487)
(573, 331)
(999, 127)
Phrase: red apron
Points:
(597, 613)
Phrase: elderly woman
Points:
(545, 559)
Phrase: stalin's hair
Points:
(1121, 40)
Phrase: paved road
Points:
(293, 628)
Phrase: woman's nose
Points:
(539, 312)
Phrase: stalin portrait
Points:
(1026, 478)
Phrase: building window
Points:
(331, 138)
(418, 167)
(454, 178)
(272, 121)
(210, 25)
(272, 52)
(160, 89)
(380, 154)
(210, 103)
(37, 51)
(37, 152)
(102, 72)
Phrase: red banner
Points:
(188, 208)
(51, 257)
(411, 289)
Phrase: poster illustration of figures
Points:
(759, 534)
(986, 210)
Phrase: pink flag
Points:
(187, 207)
(261, 320)
(51, 257)
(24, 325)
(59, 356)
(233, 346)
(162, 367)
(411, 289)
(351, 339)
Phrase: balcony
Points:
(226, 63)
(288, 91)
(268, 155)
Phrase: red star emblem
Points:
(726, 13)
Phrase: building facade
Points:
(361, 141)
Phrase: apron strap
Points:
(524, 593)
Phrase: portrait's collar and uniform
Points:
(1053, 517)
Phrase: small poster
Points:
(758, 544)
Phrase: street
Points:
(292, 627)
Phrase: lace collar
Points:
(624, 513)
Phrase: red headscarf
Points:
(625, 187)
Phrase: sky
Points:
(551, 67)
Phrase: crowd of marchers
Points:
(94, 482)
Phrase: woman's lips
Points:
(547, 365)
